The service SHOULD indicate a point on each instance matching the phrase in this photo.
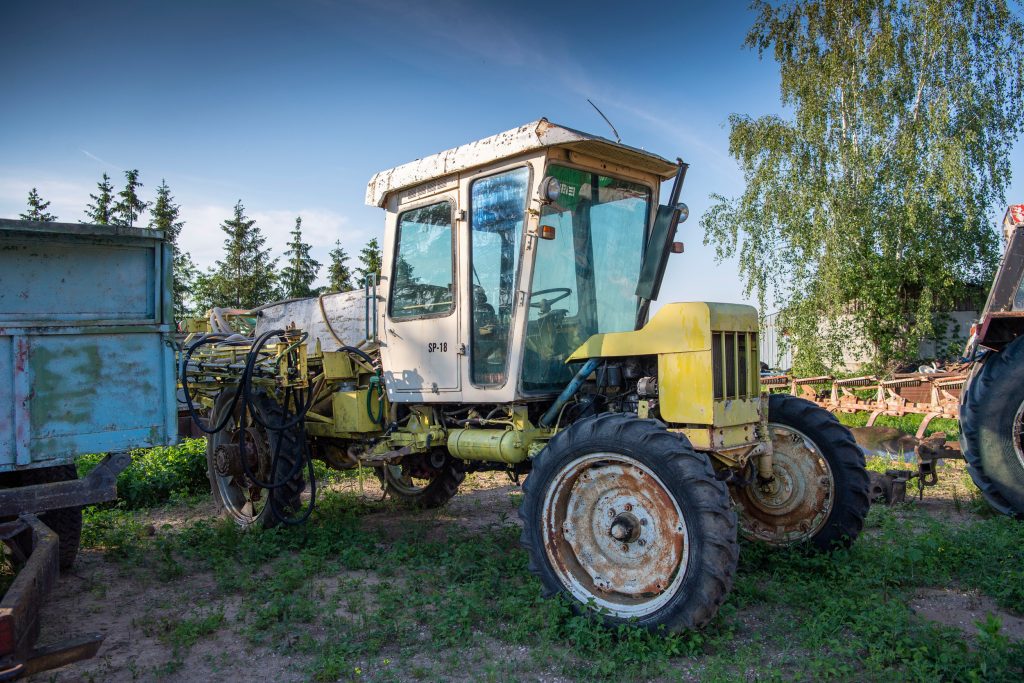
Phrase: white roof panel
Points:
(535, 135)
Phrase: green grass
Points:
(158, 475)
(430, 600)
(359, 605)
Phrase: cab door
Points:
(420, 353)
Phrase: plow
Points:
(985, 393)
(931, 394)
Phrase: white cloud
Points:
(97, 159)
(204, 240)
(67, 198)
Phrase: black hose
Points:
(243, 391)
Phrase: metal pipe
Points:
(570, 390)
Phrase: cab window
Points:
(498, 206)
(423, 271)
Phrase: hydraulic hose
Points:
(288, 421)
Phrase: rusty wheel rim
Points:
(1018, 433)
(798, 503)
(243, 500)
(614, 535)
(404, 482)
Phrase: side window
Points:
(423, 272)
(497, 206)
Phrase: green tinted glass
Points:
(583, 280)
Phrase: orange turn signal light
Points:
(547, 232)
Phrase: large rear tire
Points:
(624, 518)
(820, 491)
(992, 428)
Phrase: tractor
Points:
(511, 330)
(992, 401)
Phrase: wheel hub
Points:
(626, 528)
(227, 457)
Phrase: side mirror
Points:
(684, 212)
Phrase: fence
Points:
(772, 350)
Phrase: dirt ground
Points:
(98, 596)
(128, 607)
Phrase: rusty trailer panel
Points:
(86, 357)
(19, 608)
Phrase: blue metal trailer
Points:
(86, 366)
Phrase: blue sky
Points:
(291, 106)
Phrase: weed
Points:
(908, 424)
(158, 475)
(437, 600)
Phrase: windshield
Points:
(584, 280)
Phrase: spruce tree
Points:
(339, 275)
(101, 211)
(129, 206)
(165, 217)
(297, 277)
(245, 277)
(37, 209)
(370, 258)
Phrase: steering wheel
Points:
(545, 305)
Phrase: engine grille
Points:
(734, 364)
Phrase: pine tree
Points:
(129, 207)
(37, 209)
(165, 217)
(339, 276)
(370, 258)
(101, 212)
(245, 277)
(298, 276)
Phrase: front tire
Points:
(625, 518)
(992, 429)
(820, 492)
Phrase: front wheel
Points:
(626, 519)
(819, 494)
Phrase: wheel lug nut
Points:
(629, 507)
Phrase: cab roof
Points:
(535, 135)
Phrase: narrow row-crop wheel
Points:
(819, 493)
(423, 480)
(236, 496)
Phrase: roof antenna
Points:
(615, 132)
